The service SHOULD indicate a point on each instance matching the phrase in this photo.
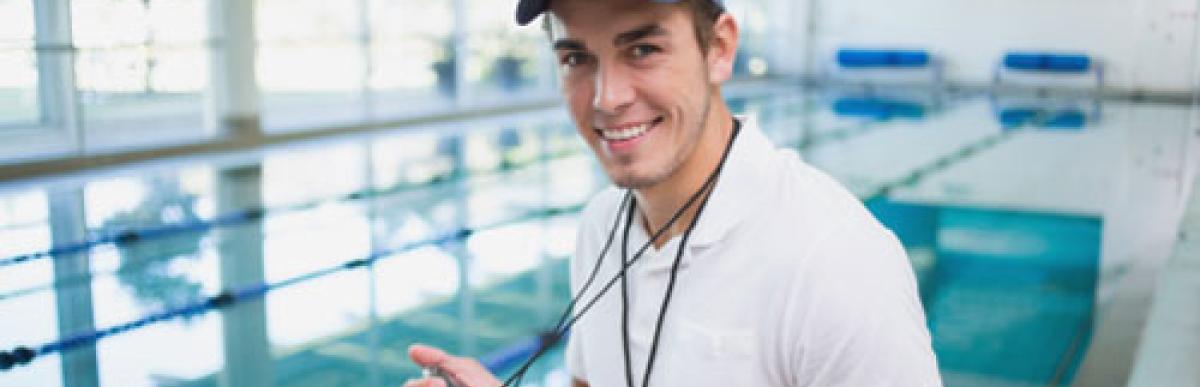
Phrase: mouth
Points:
(629, 131)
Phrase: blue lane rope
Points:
(86, 278)
(22, 355)
(134, 235)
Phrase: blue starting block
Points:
(853, 58)
(874, 67)
(1064, 63)
(1049, 70)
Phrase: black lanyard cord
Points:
(662, 313)
(558, 326)
(557, 335)
(563, 328)
(612, 233)
(625, 299)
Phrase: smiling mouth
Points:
(629, 131)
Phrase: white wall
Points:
(1144, 44)
(788, 48)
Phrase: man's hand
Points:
(465, 372)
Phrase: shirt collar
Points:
(734, 197)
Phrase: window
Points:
(412, 55)
(503, 58)
(19, 104)
(753, 50)
(323, 63)
(141, 67)
(311, 67)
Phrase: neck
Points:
(658, 203)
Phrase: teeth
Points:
(625, 134)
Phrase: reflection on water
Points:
(151, 267)
(1008, 281)
(1037, 111)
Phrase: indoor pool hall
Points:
(293, 193)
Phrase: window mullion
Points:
(56, 71)
(364, 44)
(461, 51)
(234, 96)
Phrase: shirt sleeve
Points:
(574, 352)
(858, 315)
(585, 250)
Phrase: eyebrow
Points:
(639, 33)
(626, 37)
(568, 45)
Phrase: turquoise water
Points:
(1008, 295)
(359, 243)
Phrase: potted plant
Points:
(506, 70)
(446, 68)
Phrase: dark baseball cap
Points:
(527, 10)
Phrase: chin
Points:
(632, 180)
(630, 184)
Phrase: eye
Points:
(572, 59)
(643, 50)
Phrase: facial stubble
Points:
(689, 148)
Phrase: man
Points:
(776, 276)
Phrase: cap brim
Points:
(527, 10)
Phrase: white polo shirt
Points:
(787, 281)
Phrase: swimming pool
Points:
(318, 264)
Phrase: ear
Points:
(722, 49)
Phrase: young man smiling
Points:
(764, 271)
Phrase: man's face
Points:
(636, 83)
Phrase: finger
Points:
(468, 372)
(464, 371)
(425, 382)
(426, 356)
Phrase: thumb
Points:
(463, 371)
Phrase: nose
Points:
(614, 90)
